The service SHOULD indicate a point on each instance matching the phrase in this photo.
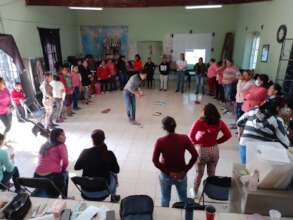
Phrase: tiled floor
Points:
(132, 145)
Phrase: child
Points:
(65, 78)
(76, 85)
(112, 71)
(103, 76)
(58, 92)
(204, 134)
(164, 69)
(18, 97)
(149, 68)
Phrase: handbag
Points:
(18, 207)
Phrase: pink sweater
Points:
(254, 98)
(212, 71)
(55, 161)
(242, 88)
(230, 75)
(5, 102)
(75, 79)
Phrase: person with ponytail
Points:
(98, 161)
(53, 162)
(262, 124)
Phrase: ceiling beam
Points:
(133, 3)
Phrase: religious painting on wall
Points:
(104, 41)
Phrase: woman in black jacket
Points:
(98, 161)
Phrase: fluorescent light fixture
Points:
(203, 6)
(86, 8)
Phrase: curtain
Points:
(8, 45)
(50, 41)
(227, 51)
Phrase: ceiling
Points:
(133, 3)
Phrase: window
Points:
(8, 70)
(192, 55)
(254, 50)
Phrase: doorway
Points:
(50, 40)
(153, 49)
(251, 51)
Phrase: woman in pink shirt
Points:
(5, 104)
(212, 75)
(52, 164)
(76, 85)
(112, 74)
(257, 93)
(221, 66)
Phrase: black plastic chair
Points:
(44, 187)
(194, 205)
(216, 188)
(89, 186)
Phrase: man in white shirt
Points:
(58, 92)
(181, 65)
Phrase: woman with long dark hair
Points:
(204, 134)
(262, 124)
(53, 162)
(98, 161)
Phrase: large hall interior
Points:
(146, 109)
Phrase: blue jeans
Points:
(228, 89)
(14, 174)
(180, 81)
(242, 152)
(238, 110)
(199, 84)
(122, 79)
(112, 188)
(130, 104)
(166, 183)
(75, 96)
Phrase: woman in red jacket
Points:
(103, 75)
(137, 65)
(257, 94)
(204, 134)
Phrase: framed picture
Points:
(265, 53)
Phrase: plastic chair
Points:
(43, 187)
(92, 189)
(216, 188)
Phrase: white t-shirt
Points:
(181, 65)
(57, 89)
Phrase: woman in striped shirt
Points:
(262, 124)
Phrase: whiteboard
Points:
(183, 42)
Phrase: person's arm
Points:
(64, 156)
(79, 164)
(156, 159)
(194, 129)
(226, 133)
(114, 167)
(242, 120)
(194, 155)
(281, 133)
(7, 162)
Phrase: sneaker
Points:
(61, 120)
(165, 90)
(193, 194)
(177, 91)
(115, 198)
(160, 90)
(197, 102)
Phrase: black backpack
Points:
(137, 207)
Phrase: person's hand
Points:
(12, 156)
(140, 93)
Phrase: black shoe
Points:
(115, 198)
(177, 90)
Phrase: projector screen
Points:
(193, 45)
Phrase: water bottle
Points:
(189, 207)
